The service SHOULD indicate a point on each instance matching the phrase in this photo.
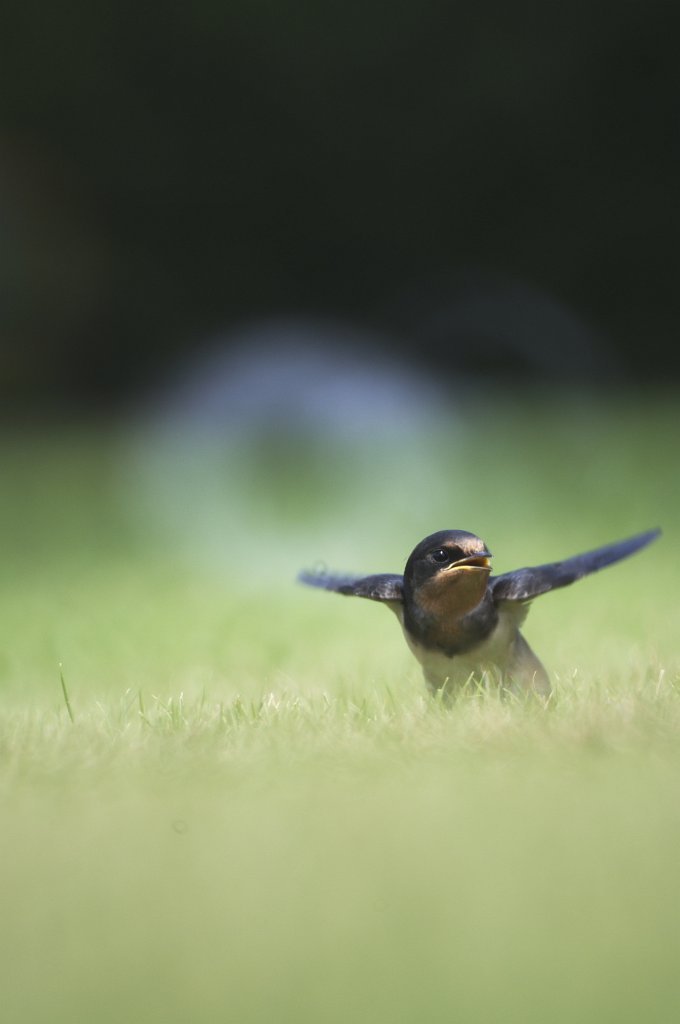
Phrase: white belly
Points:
(486, 662)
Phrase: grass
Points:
(225, 797)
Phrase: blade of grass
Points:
(65, 692)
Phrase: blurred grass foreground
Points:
(256, 814)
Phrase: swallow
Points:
(461, 622)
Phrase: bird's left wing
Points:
(383, 587)
(524, 584)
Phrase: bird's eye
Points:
(441, 555)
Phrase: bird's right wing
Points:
(383, 587)
(525, 584)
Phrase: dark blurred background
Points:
(486, 189)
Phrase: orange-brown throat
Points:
(450, 595)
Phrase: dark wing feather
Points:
(383, 587)
(524, 584)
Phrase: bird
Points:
(461, 622)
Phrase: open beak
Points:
(482, 561)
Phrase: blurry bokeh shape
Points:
(278, 434)
(493, 327)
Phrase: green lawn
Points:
(256, 813)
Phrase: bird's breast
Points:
(450, 616)
(489, 654)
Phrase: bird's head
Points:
(449, 566)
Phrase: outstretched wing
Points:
(524, 584)
(383, 587)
